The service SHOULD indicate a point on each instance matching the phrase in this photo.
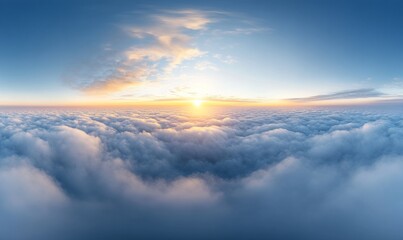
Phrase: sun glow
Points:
(197, 102)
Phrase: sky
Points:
(116, 52)
(177, 136)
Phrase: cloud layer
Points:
(237, 174)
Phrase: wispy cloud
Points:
(205, 65)
(242, 31)
(350, 94)
(170, 41)
(161, 45)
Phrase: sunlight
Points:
(197, 102)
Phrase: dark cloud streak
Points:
(350, 94)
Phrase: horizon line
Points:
(212, 103)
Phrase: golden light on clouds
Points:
(171, 44)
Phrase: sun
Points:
(197, 102)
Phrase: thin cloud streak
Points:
(349, 94)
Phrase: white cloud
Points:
(310, 174)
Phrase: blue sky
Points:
(114, 51)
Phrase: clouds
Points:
(350, 94)
(25, 187)
(241, 173)
(163, 43)
(163, 54)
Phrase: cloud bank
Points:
(237, 174)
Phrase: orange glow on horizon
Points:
(186, 102)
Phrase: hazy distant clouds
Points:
(240, 174)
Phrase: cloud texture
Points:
(163, 42)
(236, 174)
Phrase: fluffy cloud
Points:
(239, 174)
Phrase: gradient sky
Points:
(54, 52)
